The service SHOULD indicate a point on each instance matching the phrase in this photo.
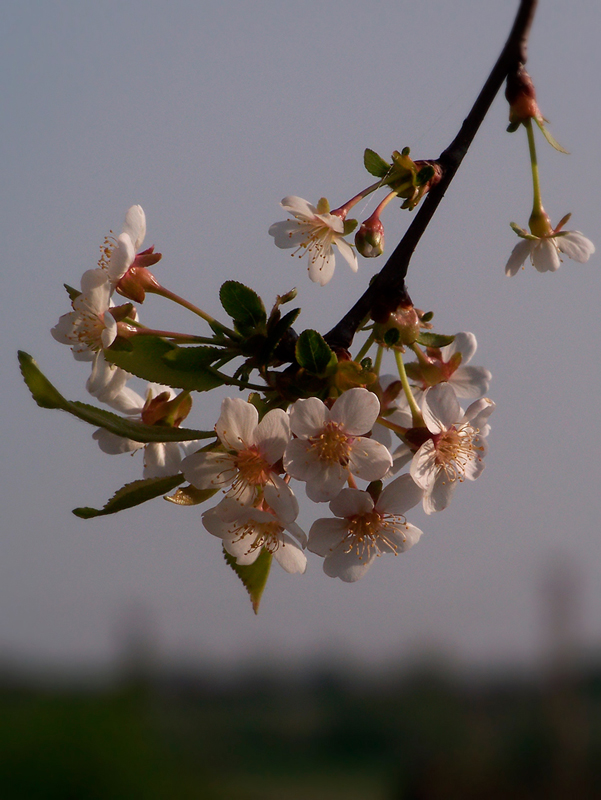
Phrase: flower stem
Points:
(365, 349)
(378, 362)
(168, 295)
(416, 414)
(537, 206)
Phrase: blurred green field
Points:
(265, 737)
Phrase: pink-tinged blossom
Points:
(331, 443)
(246, 530)
(249, 454)
(455, 447)
(363, 530)
(161, 459)
(315, 231)
(90, 327)
(544, 251)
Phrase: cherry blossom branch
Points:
(387, 291)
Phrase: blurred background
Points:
(131, 657)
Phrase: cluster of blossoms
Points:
(368, 447)
(328, 444)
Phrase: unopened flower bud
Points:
(161, 410)
(136, 282)
(369, 239)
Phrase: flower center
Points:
(106, 248)
(332, 445)
(88, 329)
(455, 449)
(260, 534)
(252, 467)
(368, 532)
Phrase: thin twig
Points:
(387, 291)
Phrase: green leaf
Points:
(153, 359)
(132, 494)
(190, 496)
(243, 305)
(253, 576)
(46, 396)
(428, 339)
(313, 353)
(375, 164)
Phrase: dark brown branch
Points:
(387, 290)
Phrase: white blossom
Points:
(250, 450)
(455, 447)
(331, 443)
(127, 244)
(363, 530)
(161, 459)
(246, 530)
(315, 231)
(90, 327)
(544, 251)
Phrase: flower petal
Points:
(347, 252)
(356, 411)
(135, 225)
(352, 502)
(273, 434)
(236, 425)
(308, 417)
(369, 459)
(518, 255)
(576, 246)
(545, 256)
(399, 496)
(440, 408)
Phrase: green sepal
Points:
(424, 175)
(243, 305)
(523, 234)
(278, 331)
(132, 494)
(314, 354)
(375, 164)
(349, 226)
(73, 293)
(551, 139)
(152, 358)
(47, 396)
(428, 339)
(391, 337)
(513, 126)
(428, 316)
(253, 576)
(190, 496)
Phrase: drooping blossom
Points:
(331, 443)
(454, 448)
(314, 231)
(449, 363)
(544, 251)
(160, 458)
(249, 453)
(90, 327)
(363, 530)
(122, 256)
(246, 530)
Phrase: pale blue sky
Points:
(207, 115)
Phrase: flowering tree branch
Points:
(387, 291)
